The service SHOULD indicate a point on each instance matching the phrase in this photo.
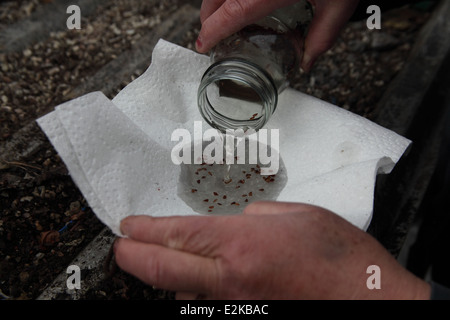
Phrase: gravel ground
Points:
(45, 221)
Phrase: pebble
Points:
(24, 276)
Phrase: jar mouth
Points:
(236, 94)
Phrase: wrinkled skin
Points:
(272, 251)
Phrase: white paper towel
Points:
(119, 152)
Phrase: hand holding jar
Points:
(222, 18)
(256, 47)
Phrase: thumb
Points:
(329, 18)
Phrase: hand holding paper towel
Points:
(119, 152)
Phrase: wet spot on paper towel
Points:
(346, 153)
(202, 186)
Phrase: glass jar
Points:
(250, 68)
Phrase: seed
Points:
(250, 193)
(215, 193)
(225, 197)
(198, 181)
(219, 203)
(242, 181)
(246, 200)
(206, 200)
(227, 181)
(209, 210)
(244, 195)
(194, 190)
(261, 190)
(209, 172)
(211, 207)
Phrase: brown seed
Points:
(246, 200)
(194, 190)
(49, 238)
(209, 210)
(206, 200)
(261, 190)
(209, 173)
(244, 195)
(219, 203)
(215, 193)
(198, 181)
(250, 193)
(225, 197)
(211, 207)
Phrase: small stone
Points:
(27, 53)
(24, 276)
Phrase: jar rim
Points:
(248, 73)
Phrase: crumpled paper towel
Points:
(119, 152)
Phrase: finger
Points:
(181, 233)
(232, 16)
(329, 18)
(165, 268)
(208, 8)
(272, 207)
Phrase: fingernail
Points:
(125, 228)
(198, 43)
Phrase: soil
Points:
(44, 220)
